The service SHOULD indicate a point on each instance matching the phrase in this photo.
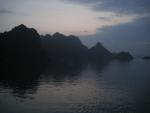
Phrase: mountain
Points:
(22, 47)
(61, 48)
(99, 54)
(146, 57)
(123, 56)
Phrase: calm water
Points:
(118, 87)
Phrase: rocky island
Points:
(146, 57)
(24, 47)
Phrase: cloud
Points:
(68, 16)
(113, 19)
(120, 6)
(4, 11)
(116, 12)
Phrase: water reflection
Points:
(21, 79)
(24, 79)
(114, 87)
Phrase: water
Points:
(117, 87)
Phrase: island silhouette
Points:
(24, 49)
(25, 55)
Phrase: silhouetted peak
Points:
(47, 36)
(58, 35)
(100, 49)
(98, 44)
(23, 29)
(72, 36)
(21, 26)
(75, 39)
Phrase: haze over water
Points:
(117, 87)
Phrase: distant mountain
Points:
(22, 47)
(124, 56)
(99, 54)
(63, 48)
(146, 57)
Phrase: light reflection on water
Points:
(114, 88)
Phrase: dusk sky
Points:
(118, 24)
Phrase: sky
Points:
(120, 25)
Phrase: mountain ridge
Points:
(23, 44)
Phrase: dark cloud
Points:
(125, 6)
(4, 11)
(121, 6)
